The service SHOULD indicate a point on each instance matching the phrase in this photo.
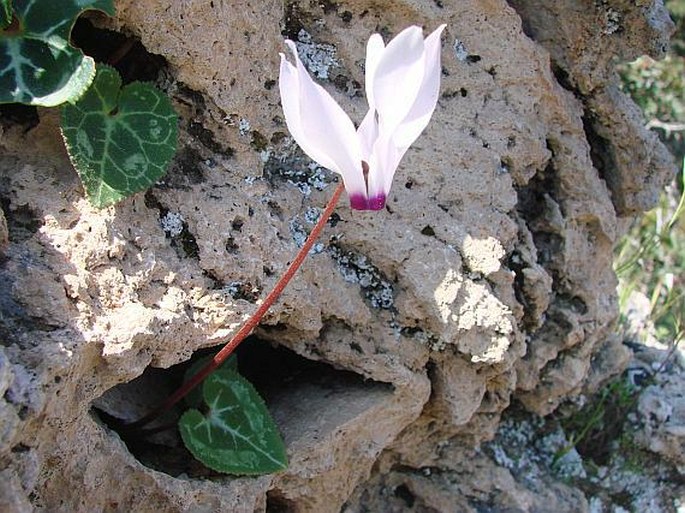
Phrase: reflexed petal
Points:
(398, 76)
(289, 86)
(368, 133)
(374, 51)
(319, 125)
(421, 111)
(382, 166)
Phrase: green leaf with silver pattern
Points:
(236, 435)
(38, 66)
(120, 140)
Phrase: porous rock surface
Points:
(487, 278)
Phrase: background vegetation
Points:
(650, 260)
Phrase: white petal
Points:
(374, 51)
(289, 85)
(398, 76)
(319, 125)
(421, 111)
(368, 133)
(382, 166)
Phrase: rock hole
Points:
(572, 303)
(277, 503)
(206, 138)
(186, 170)
(293, 20)
(237, 224)
(20, 448)
(402, 492)
(22, 221)
(26, 116)
(259, 142)
(127, 55)
(277, 137)
(517, 264)
(534, 203)
(601, 154)
(334, 219)
(428, 231)
(231, 246)
(306, 398)
(563, 78)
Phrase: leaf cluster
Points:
(119, 140)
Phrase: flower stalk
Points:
(249, 325)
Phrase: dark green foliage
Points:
(233, 431)
(38, 66)
(120, 140)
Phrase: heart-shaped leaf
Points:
(119, 140)
(237, 434)
(38, 66)
(194, 397)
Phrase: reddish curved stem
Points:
(251, 323)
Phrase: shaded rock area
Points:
(408, 332)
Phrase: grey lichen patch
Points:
(312, 215)
(595, 447)
(300, 233)
(244, 126)
(241, 290)
(611, 17)
(288, 163)
(319, 58)
(356, 268)
(460, 51)
(552, 451)
(172, 223)
(424, 337)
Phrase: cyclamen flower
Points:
(402, 86)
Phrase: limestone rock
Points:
(409, 331)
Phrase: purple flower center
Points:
(363, 202)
